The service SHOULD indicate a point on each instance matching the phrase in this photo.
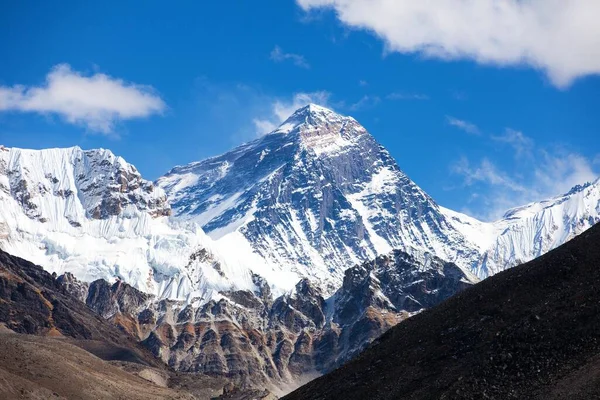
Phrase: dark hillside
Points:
(529, 332)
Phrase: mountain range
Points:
(272, 263)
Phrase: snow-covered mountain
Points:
(309, 200)
(316, 243)
(316, 196)
(91, 213)
(320, 194)
(527, 232)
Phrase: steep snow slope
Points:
(91, 213)
(530, 231)
(316, 196)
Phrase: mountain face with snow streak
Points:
(320, 194)
(309, 200)
(314, 197)
(527, 232)
(91, 213)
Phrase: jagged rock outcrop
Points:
(257, 341)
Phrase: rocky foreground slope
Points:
(532, 332)
(53, 346)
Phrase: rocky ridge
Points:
(255, 340)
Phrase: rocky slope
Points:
(532, 332)
(32, 301)
(53, 345)
(33, 367)
(255, 340)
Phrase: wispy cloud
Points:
(278, 55)
(363, 83)
(280, 109)
(485, 172)
(97, 102)
(558, 37)
(241, 112)
(544, 174)
(406, 96)
(522, 144)
(365, 102)
(463, 125)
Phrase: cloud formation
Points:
(522, 144)
(559, 37)
(278, 55)
(96, 102)
(543, 174)
(365, 102)
(406, 96)
(463, 125)
(281, 109)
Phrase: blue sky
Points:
(481, 120)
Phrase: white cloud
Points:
(485, 172)
(278, 55)
(559, 37)
(543, 175)
(97, 102)
(463, 125)
(522, 144)
(558, 172)
(281, 109)
(363, 83)
(406, 96)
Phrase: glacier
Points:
(91, 214)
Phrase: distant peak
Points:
(315, 108)
(310, 114)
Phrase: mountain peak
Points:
(313, 108)
(309, 115)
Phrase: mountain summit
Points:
(317, 195)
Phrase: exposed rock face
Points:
(256, 341)
(32, 301)
(74, 286)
